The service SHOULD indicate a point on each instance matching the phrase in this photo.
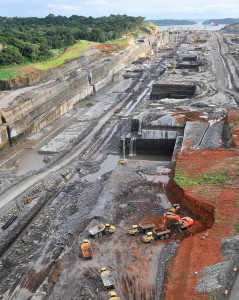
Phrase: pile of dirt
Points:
(209, 187)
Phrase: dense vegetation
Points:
(32, 39)
(170, 22)
(221, 21)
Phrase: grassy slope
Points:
(74, 51)
(8, 74)
(71, 52)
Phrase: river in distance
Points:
(198, 26)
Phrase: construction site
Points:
(120, 173)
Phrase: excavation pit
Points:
(189, 65)
(173, 90)
(159, 144)
(187, 57)
(200, 41)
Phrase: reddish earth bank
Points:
(212, 200)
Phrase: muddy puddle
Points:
(31, 161)
(23, 163)
(107, 165)
(110, 163)
(85, 103)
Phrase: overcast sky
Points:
(151, 9)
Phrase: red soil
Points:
(104, 47)
(31, 279)
(233, 121)
(209, 202)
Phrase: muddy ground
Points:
(43, 260)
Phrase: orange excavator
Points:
(164, 232)
(181, 223)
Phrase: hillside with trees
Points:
(221, 21)
(32, 39)
(170, 22)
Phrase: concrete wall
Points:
(36, 108)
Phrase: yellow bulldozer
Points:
(175, 209)
(113, 296)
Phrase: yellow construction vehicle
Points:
(142, 227)
(156, 233)
(175, 208)
(109, 229)
(100, 229)
(107, 278)
(86, 249)
(163, 232)
(113, 296)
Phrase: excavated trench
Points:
(189, 65)
(175, 90)
(151, 143)
(201, 211)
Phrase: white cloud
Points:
(154, 9)
(64, 7)
(96, 2)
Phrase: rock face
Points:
(231, 28)
(31, 108)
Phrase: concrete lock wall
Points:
(39, 107)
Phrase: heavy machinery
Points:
(164, 232)
(100, 229)
(86, 249)
(181, 223)
(156, 233)
(107, 278)
(113, 296)
(175, 209)
(142, 227)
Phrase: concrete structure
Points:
(30, 109)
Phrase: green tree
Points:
(10, 55)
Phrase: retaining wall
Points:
(36, 108)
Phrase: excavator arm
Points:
(169, 216)
(183, 223)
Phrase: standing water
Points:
(107, 165)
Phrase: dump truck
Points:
(141, 227)
(86, 249)
(164, 232)
(107, 278)
(113, 296)
(156, 233)
(100, 229)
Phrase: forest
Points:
(222, 21)
(32, 39)
(170, 22)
